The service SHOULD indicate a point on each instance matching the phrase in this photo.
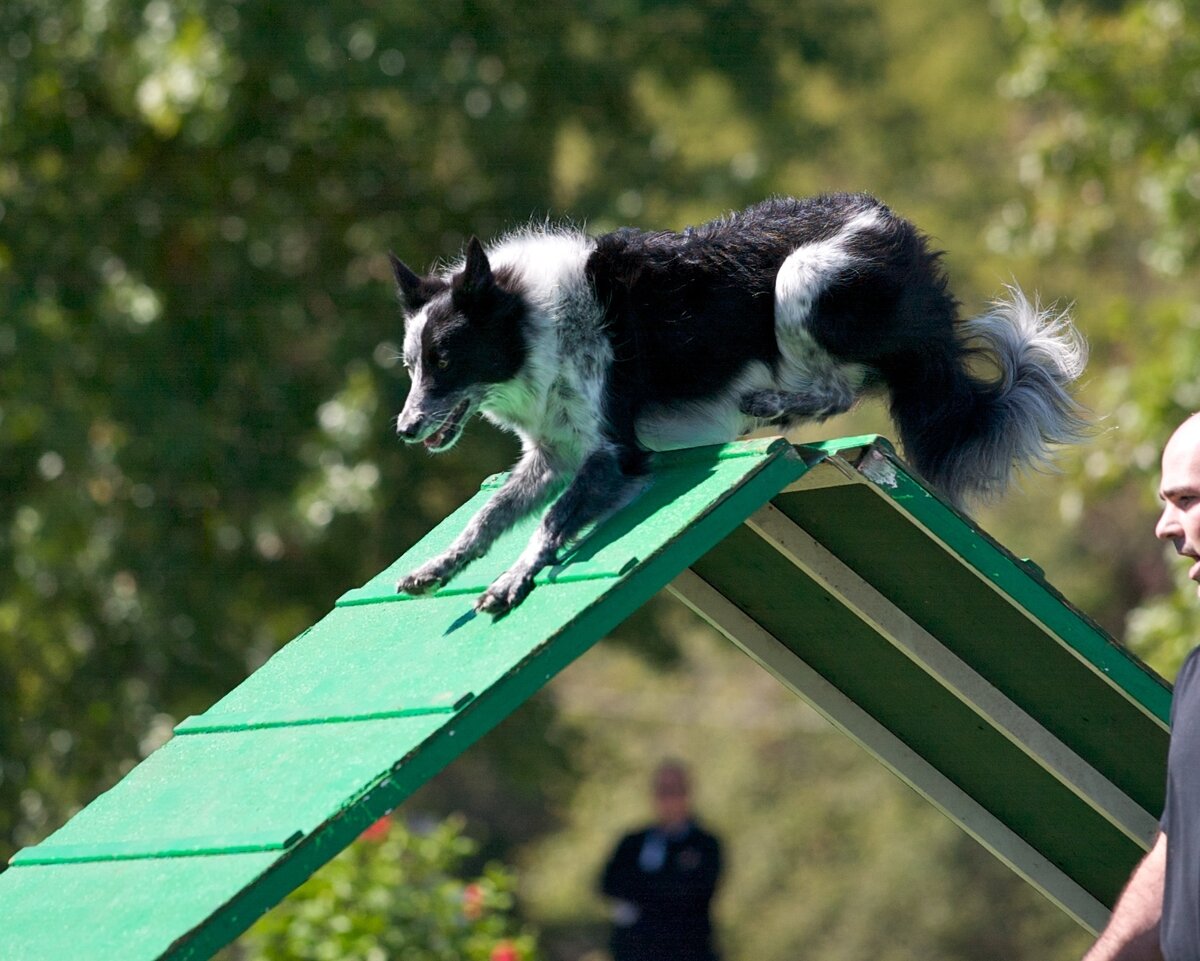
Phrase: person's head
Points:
(1179, 491)
(671, 786)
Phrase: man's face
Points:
(1180, 494)
(671, 802)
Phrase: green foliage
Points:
(396, 894)
(1117, 129)
(1109, 170)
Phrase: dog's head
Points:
(462, 336)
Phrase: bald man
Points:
(1158, 915)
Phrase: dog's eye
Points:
(443, 361)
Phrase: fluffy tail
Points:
(967, 434)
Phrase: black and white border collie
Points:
(596, 351)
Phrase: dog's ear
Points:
(413, 292)
(477, 277)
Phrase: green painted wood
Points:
(237, 843)
(990, 609)
(351, 717)
(241, 786)
(1086, 689)
(571, 624)
(322, 714)
(306, 751)
(115, 909)
(1020, 578)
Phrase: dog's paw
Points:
(506, 592)
(423, 580)
(768, 405)
(785, 408)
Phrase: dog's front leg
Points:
(527, 487)
(599, 489)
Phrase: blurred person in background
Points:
(662, 879)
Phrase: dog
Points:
(597, 351)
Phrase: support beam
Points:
(794, 543)
(769, 652)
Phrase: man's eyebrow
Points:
(1169, 493)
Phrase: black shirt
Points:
(1179, 933)
(667, 883)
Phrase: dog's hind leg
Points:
(811, 384)
(529, 485)
(606, 482)
(817, 401)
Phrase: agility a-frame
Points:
(950, 660)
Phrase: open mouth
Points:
(452, 426)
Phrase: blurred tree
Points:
(1110, 166)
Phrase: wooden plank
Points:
(326, 737)
(1018, 581)
(1042, 747)
(242, 786)
(911, 703)
(777, 658)
(116, 910)
(188, 846)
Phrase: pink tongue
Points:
(435, 439)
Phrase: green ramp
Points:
(943, 655)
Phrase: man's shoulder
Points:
(1188, 671)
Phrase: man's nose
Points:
(1168, 527)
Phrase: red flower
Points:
(505, 951)
(472, 898)
(379, 830)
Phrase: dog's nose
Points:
(408, 428)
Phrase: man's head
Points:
(672, 794)
(1180, 493)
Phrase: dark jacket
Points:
(669, 881)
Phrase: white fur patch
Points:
(414, 326)
(801, 280)
(556, 400)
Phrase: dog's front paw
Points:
(428, 577)
(506, 592)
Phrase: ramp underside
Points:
(948, 659)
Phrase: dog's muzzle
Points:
(436, 432)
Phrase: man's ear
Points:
(476, 277)
(411, 289)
